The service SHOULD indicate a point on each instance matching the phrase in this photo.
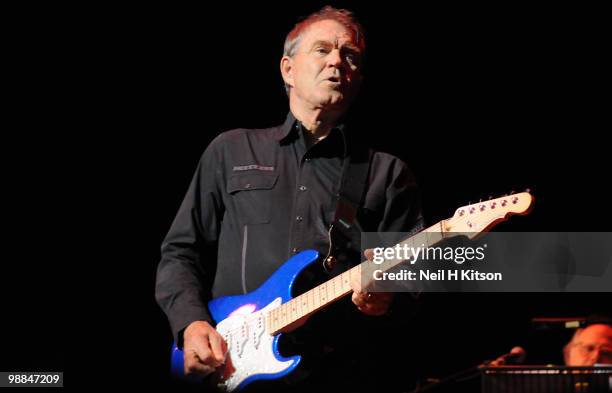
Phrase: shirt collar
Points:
(284, 130)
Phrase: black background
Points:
(478, 101)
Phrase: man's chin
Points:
(335, 99)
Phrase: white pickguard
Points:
(249, 345)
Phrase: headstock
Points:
(482, 216)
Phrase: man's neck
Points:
(316, 121)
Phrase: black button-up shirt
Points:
(257, 198)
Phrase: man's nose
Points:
(334, 58)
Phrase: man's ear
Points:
(286, 66)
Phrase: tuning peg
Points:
(528, 190)
(490, 197)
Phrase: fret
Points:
(313, 297)
(301, 304)
(298, 307)
(322, 293)
(305, 304)
(311, 304)
(288, 310)
(420, 239)
(292, 310)
(411, 242)
(287, 313)
(354, 272)
(309, 297)
(281, 322)
(346, 280)
(277, 322)
(274, 314)
(335, 288)
(310, 301)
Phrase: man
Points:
(260, 196)
(590, 345)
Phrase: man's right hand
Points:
(203, 349)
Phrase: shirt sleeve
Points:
(402, 214)
(403, 209)
(188, 253)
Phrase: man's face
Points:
(325, 70)
(592, 346)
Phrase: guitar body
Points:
(252, 352)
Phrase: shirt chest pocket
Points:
(251, 193)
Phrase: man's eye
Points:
(352, 58)
(321, 50)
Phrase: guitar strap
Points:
(346, 230)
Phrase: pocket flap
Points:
(251, 181)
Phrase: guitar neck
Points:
(287, 315)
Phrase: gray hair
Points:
(342, 16)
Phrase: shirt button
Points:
(248, 185)
(299, 218)
(295, 250)
(307, 159)
(303, 188)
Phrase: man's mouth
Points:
(334, 81)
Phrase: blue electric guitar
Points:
(251, 324)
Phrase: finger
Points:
(373, 303)
(359, 299)
(373, 309)
(369, 254)
(193, 365)
(218, 347)
(202, 349)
